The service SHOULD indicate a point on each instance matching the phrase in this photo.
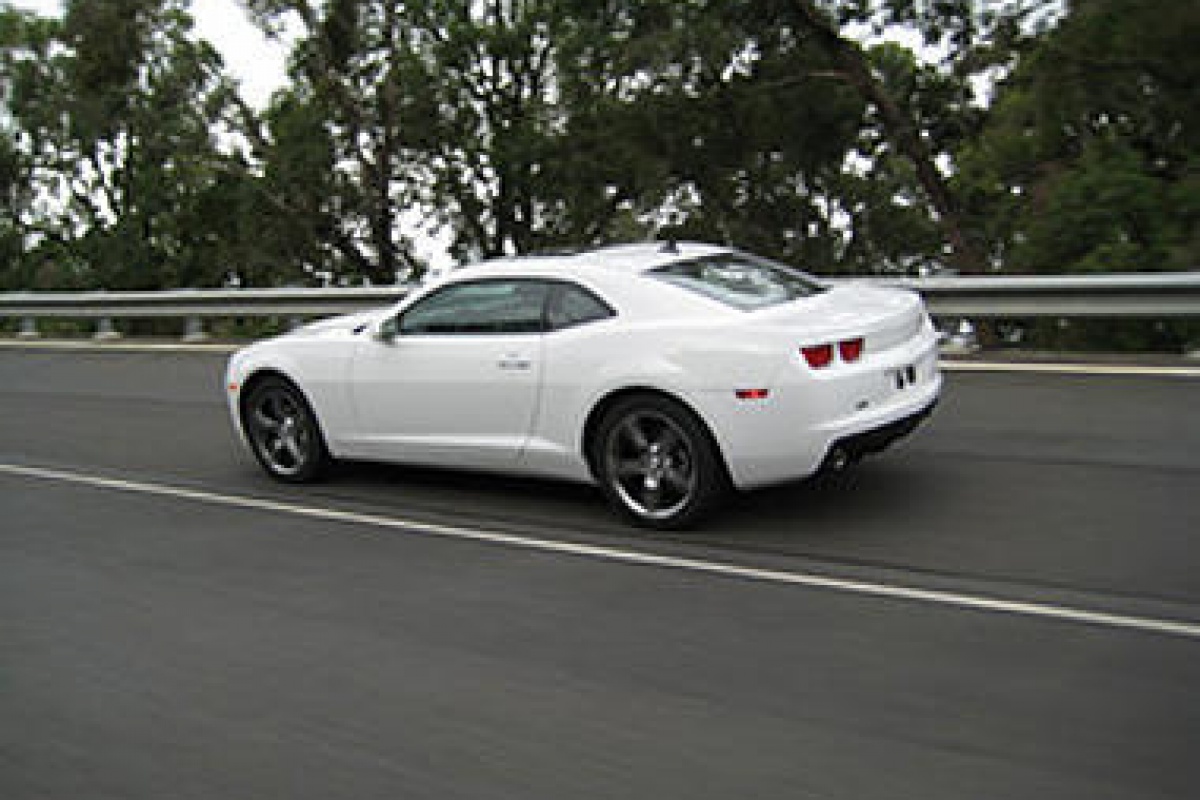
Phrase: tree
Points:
(774, 129)
(891, 225)
(749, 133)
(333, 145)
(127, 159)
(25, 42)
(12, 204)
(117, 112)
(1089, 158)
(976, 39)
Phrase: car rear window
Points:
(740, 281)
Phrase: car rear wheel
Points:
(283, 431)
(657, 464)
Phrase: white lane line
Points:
(1046, 368)
(938, 597)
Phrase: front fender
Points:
(318, 368)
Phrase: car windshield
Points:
(740, 281)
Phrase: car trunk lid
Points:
(884, 317)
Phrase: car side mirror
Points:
(388, 330)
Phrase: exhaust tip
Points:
(838, 459)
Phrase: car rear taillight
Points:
(850, 350)
(818, 355)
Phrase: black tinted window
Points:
(572, 305)
(494, 306)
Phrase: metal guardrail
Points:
(208, 303)
(1165, 295)
(1142, 295)
(192, 305)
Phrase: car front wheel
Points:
(283, 431)
(657, 464)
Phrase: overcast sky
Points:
(258, 64)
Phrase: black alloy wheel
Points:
(283, 431)
(657, 464)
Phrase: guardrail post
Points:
(29, 329)
(193, 330)
(105, 331)
(961, 338)
(295, 322)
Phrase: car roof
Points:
(608, 270)
(626, 258)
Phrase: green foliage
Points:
(116, 111)
(1134, 336)
(127, 159)
(1087, 161)
(522, 125)
(334, 150)
(517, 125)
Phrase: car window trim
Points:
(555, 287)
(463, 284)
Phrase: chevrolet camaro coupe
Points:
(666, 374)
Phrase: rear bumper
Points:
(860, 409)
(854, 447)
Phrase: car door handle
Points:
(513, 361)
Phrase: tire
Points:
(657, 464)
(283, 431)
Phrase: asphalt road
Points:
(931, 626)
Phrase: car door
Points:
(458, 382)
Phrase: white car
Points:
(664, 373)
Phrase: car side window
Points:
(572, 305)
(480, 307)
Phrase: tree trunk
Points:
(900, 128)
